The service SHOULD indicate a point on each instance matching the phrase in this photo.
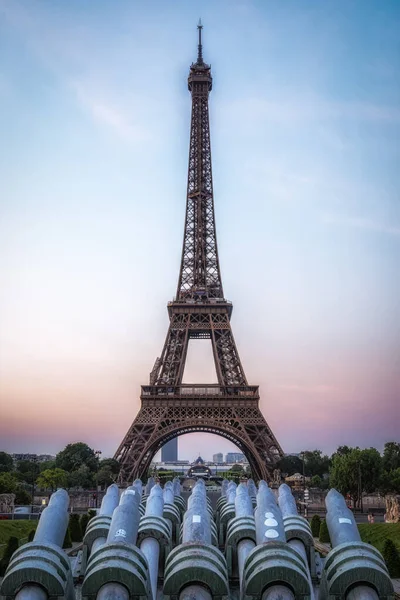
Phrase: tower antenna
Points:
(200, 47)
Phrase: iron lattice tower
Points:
(199, 310)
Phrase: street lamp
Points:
(97, 454)
(304, 483)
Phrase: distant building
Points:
(169, 452)
(218, 458)
(32, 457)
(234, 457)
(199, 469)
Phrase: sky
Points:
(305, 130)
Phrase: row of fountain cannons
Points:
(145, 544)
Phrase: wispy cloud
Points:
(310, 107)
(104, 111)
(361, 223)
(64, 52)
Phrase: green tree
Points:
(22, 496)
(315, 463)
(28, 471)
(47, 464)
(12, 546)
(6, 462)
(316, 481)
(356, 471)
(28, 466)
(84, 520)
(390, 475)
(371, 470)
(344, 473)
(67, 539)
(76, 455)
(315, 525)
(237, 469)
(341, 450)
(385, 483)
(75, 528)
(82, 478)
(105, 476)
(392, 558)
(110, 463)
(395, 480)
(391, 456)
(290, 465)
(8, 484)
(52, 479)
(324, 536)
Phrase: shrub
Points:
(324, 533)
(22, 497)
(315, 525)
(75, 528)
(92, 512)
(67, 540)
(84, 520)
(31, 535)
(392, 558)
(12, 546)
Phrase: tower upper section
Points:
(199, 277)
(200, 80)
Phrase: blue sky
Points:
(94, 123)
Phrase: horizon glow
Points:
(95, 121)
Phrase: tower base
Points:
(169, 411)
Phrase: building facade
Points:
(169, 452)
(234, 457)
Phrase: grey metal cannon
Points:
(298, 533)
(222, 499)
(179, 501)
(99, 526)
(252, 492)
(40, 569)
(171, 511)
(353, 570)
(138, 485)
(227, 511)
(154, 535)
(273, 569)
(241, 533)
(118, 569)
(195, 568)
(200, 489)
(145, 494)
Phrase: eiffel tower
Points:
(170, 408)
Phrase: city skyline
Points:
(305, 119)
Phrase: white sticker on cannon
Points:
(196, 519)
(271, 533)
(130, 492)
(345, 520)
(271, 522)
(120, 533)
(269, 515)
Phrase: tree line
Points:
(76, 467)
(352, 471)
